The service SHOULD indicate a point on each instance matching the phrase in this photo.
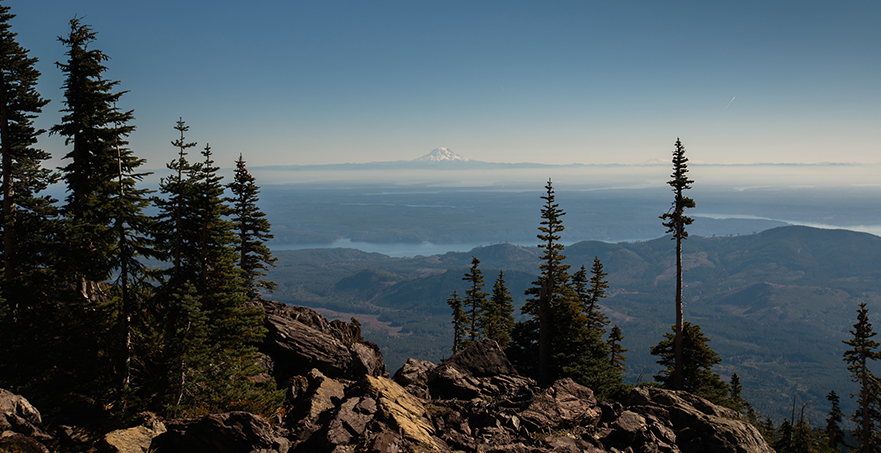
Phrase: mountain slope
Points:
(776, 305)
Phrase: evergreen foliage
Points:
(616, 351)
(460, 328)
(675, 220)
(252, 231)
(475, 302)
(590, 295)
(833, 430)
(864, 350)
(698, 360)
(498, 318)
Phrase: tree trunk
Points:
(678, 381)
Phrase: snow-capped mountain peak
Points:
(441, 155)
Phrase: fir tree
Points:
(598, 284)
(698, 360)
(864, 350)
(95, 128)
(475, 301)
(252, 231)
(548, 289)
(833, 422)
(498, 319)
(27, 219)
(675, 220)
(174, 218)
(459, 321)
(616, 351)
(23, 176)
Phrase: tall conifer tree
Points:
(675, 220)
(864, 351)
(475, 301)
(459, 321)
(252, 231)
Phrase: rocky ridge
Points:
(341, 400)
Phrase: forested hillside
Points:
(776, 305)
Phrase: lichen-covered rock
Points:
(136, 439)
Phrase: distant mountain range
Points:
(445, 159)
(776, 305)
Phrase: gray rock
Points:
(299, 339)
(230, 432)
(698, 424)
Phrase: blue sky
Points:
(552, 82)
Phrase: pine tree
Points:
(498, 317)
(616, 351)
(675, 220)
(252, 231)
(591, 295)
(833, 422)
(459, 321)
(698, 360)
(863, 351)
(475, 301)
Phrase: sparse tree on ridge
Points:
(499, 315)
(675, 220)
(475, 300)
(616, 351)
(252, 231)
(864, 350)
(459, 321)
(548, 289)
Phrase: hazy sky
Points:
(306, 82)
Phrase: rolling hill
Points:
(776, 304)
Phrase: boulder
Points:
(697, 424)
(299, 339)
(565, 405)
(230, 432)
(413, 376)
(132, 440)
(17, 442)
(18, 415)
(480, 371)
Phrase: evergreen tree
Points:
(833, 422)
(616, 351)
(475, 301)
(498, 317)
(548, 289)
(252, 231)
(174, 219)
(95, 128)
(735, 399)
(863, 351)
(26, 218)
(698, 360)
(675, 220)
(23, 176)
(459, 321)
(591, 295)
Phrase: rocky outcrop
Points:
(340, 401)
(20, 423)
(299, 339)
(231, 432)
